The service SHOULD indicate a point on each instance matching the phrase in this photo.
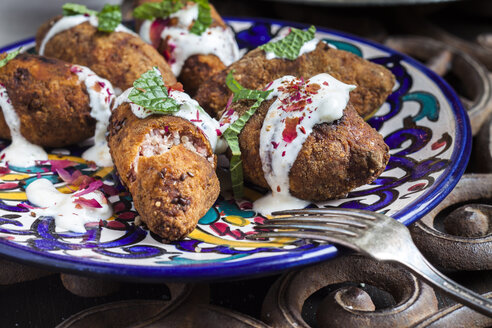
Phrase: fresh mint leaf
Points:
(290, 46)
(242, 93)
(231, 135)
(150, 92)
(109, 18)
(71, 9)
(204, 19)
(151, 10)
(9, 57)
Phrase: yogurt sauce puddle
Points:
(68, 22)
(214, 40)
(101, 96)
(20, 152)
(290, 120)
(190, 110)
(67, 214)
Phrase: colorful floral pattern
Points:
(421, 121)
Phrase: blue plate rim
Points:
(261, 266)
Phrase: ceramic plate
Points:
(422, 121)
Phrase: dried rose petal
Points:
(290, 131)
(87, 202)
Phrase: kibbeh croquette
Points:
(335, 158)
(253, 71)
(119, 57)
(197, 68)
(52, 104)
(169, 167)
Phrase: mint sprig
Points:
(9, 57)
(231, 135)
(150, 92)
(71, 9)
(290, 46)
(204, 19)
(108, 18)
(165, 8)
(151, 10)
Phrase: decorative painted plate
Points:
(422, 121)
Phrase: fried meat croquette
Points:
(169, 167)
(253, 71)
(119, 57)
(52, 105)
(335, 158)
(196, 68)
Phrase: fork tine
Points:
(313, 226)
(334, 219)
(336, 211)
(331, 238)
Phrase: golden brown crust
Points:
(118, 57)
(334, 159)
(197, 69)
(53, 106)
(173, 190)
(254, 71)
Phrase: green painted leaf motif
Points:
(109, 18)
(151, 10)
(9, 57)
(71, 9)
(342, 45)
(150, 92)
(429, 106)
(204, 19)
(290, 46)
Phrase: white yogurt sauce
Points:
(101, 95)
(67, 214)
(20, 152)
(279, 146)
(214, 40)
(190, 110)
(68, 22)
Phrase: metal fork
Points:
(373, 234)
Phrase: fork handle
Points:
(421, 267)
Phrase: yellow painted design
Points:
(236, 220)
(15, 177)
(75, 159)
(202, 236)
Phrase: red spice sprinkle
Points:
(274, 144)
(198, 120)
(3, 156)
(278, 189)
(219, 133)
(302, 129)
(309, 101)
(75, 69)
(290, 132)
(101, 84)
(313, 88)
(268, 86)
(283, 153)
(325, 83)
